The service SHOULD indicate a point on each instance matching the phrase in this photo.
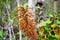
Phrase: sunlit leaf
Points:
(1, 33)
(25, 5)
(58, 21)
(48, 21)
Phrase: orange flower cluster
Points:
(27, 23)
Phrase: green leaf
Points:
(6, 18)
(43, 23)
(48, 21)
(57, 21)
(47, 27)
(4, 33)
(25, 38)
(1, 33)
(8, 3)
(51, 37)
(50, 15)
(25, 5)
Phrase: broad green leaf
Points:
(57, 21)
(1, 33)
(25, 5)
(48, 21)
(50, 15)
(47, 27)
(43, 23)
